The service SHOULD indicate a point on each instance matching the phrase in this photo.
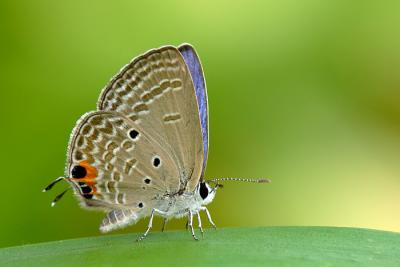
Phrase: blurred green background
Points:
(306, 93)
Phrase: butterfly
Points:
(143, 152)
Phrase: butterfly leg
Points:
(150, 225)
(209, 217)
(200, 227)
(164, 224)
(190, 224)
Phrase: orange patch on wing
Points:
(91, 172)
(89, 179)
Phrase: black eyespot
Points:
(140, 205)
(133, 134)
(203, 190)
(147, 180)
(156, 162)
(78, 172)
(85, 189)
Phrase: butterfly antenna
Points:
(50, 186)
(57, 198)
(261, 180)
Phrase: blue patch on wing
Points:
(193, 63)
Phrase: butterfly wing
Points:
(193, 62)
(156, 91)
(144, 143)
(112, 164)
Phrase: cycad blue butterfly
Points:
(143, 152)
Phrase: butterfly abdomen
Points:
(118, 219)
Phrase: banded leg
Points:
(200, 227)
(209, 217)
(190, 224)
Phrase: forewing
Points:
(193, 62)
(112, 164)
(156, 92)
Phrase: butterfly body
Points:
(177, 206)
(168, 206)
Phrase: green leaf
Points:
(273, 246)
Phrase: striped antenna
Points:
(261, 180)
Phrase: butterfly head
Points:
(207, 189)
(206, 192)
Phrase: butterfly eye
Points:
(147, 180)
(140, 205)
(203, 190)
(78, 172)
(133, 134)
(156, 162)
